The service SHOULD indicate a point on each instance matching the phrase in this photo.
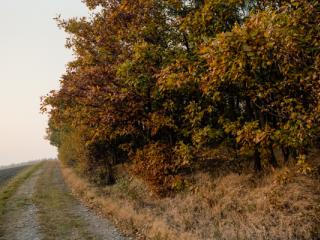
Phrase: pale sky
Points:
(32, 59)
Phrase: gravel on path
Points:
(62, 216)
(21, 221)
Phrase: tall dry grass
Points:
(280, 205)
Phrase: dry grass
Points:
(279, 205)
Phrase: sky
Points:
(32, 59)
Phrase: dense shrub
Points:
(161, 167)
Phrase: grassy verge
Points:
(283, 204)
(54, 204)
(10, 188)
(129, 205)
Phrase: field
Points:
(8, 173)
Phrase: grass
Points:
(282, 204)
(54, 204)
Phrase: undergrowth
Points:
(281, 204)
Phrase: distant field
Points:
(6, 174)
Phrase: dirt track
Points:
(21, 218)
(43, 208)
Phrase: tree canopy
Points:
(158, 82)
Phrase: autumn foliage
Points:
(158, 82)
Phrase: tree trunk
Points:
(109, 178)
(249, 110)
(272, 159)
(257, 160)
(285, 153)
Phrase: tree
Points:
(158, 82)
(262, 69)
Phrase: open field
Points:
(6, 174)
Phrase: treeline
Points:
(159, 82)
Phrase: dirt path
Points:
(21, 221)
(62, 216)
(43, 208)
